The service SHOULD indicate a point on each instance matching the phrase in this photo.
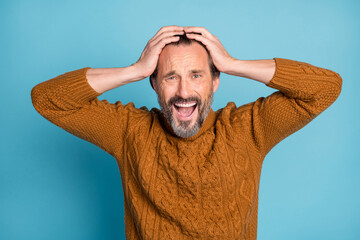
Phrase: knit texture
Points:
(202, 187)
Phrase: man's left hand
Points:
(221, 58)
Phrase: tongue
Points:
(186, 111)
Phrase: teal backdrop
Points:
(56, 186)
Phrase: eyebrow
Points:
(197, 71)
(191, 71)
(169, 74)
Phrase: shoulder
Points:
(232, 114)
(130, 109)
(128, 115)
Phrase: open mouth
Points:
(185, 111)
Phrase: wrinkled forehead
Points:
(183, 58)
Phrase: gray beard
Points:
(183, 129)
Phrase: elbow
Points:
(336, 87)
(332, 87)
(328, 95)
(339, 82)
(325, 97)
(37, 95)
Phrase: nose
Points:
(184, 90)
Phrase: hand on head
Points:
(148, 60)
(219, 55)
(150, 55)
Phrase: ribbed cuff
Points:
(79, 87)
(286, 73)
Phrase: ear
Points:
(216, 82)
(154, 86)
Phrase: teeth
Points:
(185, 104)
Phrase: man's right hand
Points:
(148, 60)
(104, 79)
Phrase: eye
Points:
(171, 77)
(197, 76)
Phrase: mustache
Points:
(177, 99)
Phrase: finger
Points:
(157, 48)
(203, 31)
(163, 42)
(200, 38)
(164, 35)
(168, 28)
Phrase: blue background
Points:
(54, 185)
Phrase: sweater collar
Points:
(208, 123)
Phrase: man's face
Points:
(185, 87)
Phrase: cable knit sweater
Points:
(202, 187)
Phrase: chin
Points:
(185, 129)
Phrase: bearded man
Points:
(187, 171)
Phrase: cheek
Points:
(168, 91)
(164, 96)
(205, 89)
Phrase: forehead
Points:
(183, 58)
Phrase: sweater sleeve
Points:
(305, 91)
(69, 102)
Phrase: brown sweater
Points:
(202, 187)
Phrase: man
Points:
(188, 172)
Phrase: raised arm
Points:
(104, 79)
(304, 91)
(70, 100)
(259, 70)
